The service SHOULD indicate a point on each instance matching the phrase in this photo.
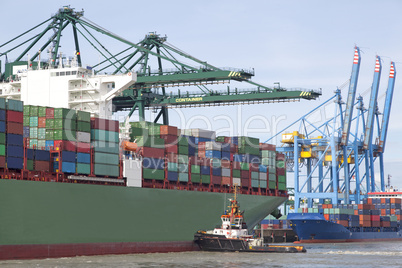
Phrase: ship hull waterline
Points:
(46, 219)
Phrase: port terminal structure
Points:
(334, 161)
(171, 68)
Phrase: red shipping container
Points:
(169, 139)
(281, 171)
(226, 180)
(254, 167)
(205, 161)
(42, 122)
(365, 223)
(375, 217)
(329, 205)
(41, 165)
(172, 157)
(15, 128)
(201, 146)
(168, 130)
(227, 139)
(152, 152)
(365, 206)
(171, 148)
(105, 124)
(396, 200)
(236, 165)
(50, 113)
(2, 161)
(385, 224)
(266, 146)
(13, 116)
(83, 147)
(244, 174)
(233, 148)
(375, 224)
(365, 217)
(280, 157)
(245, 182)
(225, 163)
(69, 146)
(216, 180)
(370, 201)
(398, 217)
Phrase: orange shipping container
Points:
(365, 217)
(370, 201)
(168, 130)
(344, 223)
(225, 163)
(375, 224)
(42, 122)
(365, 223)
(225, 180)
(383, 212)
(326, 216)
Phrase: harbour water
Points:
(377, 254)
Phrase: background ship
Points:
(67, 187)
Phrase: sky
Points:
(300, 44)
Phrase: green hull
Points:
(59, 213)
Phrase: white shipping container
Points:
(225, 172)
(263, 176)
(237, 181)
(83, 137)
(212, 145)
(202, 133)
(132, 170)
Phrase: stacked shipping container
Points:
(14, 133)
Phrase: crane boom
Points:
(387, 107)
(368, 134)
(351, 97)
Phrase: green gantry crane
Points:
(150, 89)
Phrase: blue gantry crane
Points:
(334, 161)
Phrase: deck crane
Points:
(349, 115)
(149, 92)
(368, 134)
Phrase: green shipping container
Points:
(33, 110)
(30, 165)
(183, 150)
(236, 173)
(183, 141)
(83, 168)
(205, 179)
(153, 174)
(33, 143)
(83, 126)
(282, 186)
(255, 183)
(64, 134)
(263, 184)
(244, 166)
(105, 158)
(42, 133)
(105, 135)
(106, 170)
(2, 150)
(14, 105)
(254, 175)
(49, 135)
(243, 140)
(26, 121)
(172, 166)
(41, 111)
(49, 123)
(272, 185)
(64, 113)
(282, 178)
(196, 178)
(65, 124)
(272, 177)
(183, 177)
(41, 144)
(83, 116)
(2, 103)
(182, 159)
(2, 138)
(195, 169)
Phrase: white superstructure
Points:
(67, 87)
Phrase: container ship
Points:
(73, 183)
(378, 218)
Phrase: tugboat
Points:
(233, 235)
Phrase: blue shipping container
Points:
(49, 144)
(205, 170)
(15, 162)
(15, 151)
(213, 154)
(30, 154)
(2, 115)
(263, 168)
(217, 171)
(83, 158)
(68, 156)
(68, 167)
(15, 139)
(26, 132)
(2, 126)
(226, 156)
(172, 176)
(42, 155)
